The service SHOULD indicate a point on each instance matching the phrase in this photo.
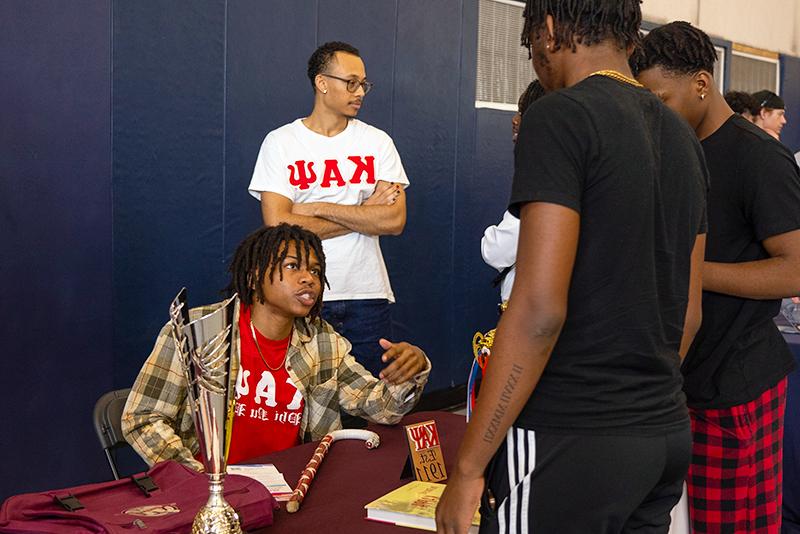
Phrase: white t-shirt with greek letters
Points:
(305, 166)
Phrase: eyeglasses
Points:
(352, 83)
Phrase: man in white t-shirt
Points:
(343, 180)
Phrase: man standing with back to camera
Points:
(581, 426)
(343, 180)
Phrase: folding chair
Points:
(108, 424)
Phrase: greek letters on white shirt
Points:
(301, 173)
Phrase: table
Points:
(352, 476)
(791, 440)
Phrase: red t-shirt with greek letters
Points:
(268, 407)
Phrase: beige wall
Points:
(660, 11)
(769, 24)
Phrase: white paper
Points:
(268, 475)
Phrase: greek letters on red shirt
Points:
(265, 397)
(268, 407)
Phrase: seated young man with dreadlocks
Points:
(295, 374)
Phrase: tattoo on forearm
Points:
(502, 405)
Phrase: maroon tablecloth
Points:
(352, 476)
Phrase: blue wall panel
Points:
(790, 91)
(55, 237)
(267, 51)
(473, 298)
(482, 198)
(168, 106)
(494, 161)
(425, 105)
(372, 28)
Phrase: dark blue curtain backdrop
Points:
(55, 239)
(169, 166)
(790, 91)
(137, 124)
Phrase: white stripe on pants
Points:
(513, 512)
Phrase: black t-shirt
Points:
(634, 171)
(755, 194)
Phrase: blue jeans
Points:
(363, 323)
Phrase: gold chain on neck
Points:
(258, 348)
(617, 76)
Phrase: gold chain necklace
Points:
(617, 76)
(258, 348)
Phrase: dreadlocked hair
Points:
(585, 22)
(261, 254)
(677, 47)
(532, 93)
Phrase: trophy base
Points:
(219, 519)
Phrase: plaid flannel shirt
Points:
(157, 420)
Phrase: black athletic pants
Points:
(541, 483)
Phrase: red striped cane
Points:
(372, 440)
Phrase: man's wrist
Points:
(709, 278)
(467, 470)
(319, 209)
(426, 365)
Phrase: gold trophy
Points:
(209, 352)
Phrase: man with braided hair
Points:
(735, 372)
(581, 426)
(295, 372)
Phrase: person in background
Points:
(735, 371)
(343, 180)
(771, 116)
(743, 103)
(531, 93)
(499, 242)
(295, 372)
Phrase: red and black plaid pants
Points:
(734, 479)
